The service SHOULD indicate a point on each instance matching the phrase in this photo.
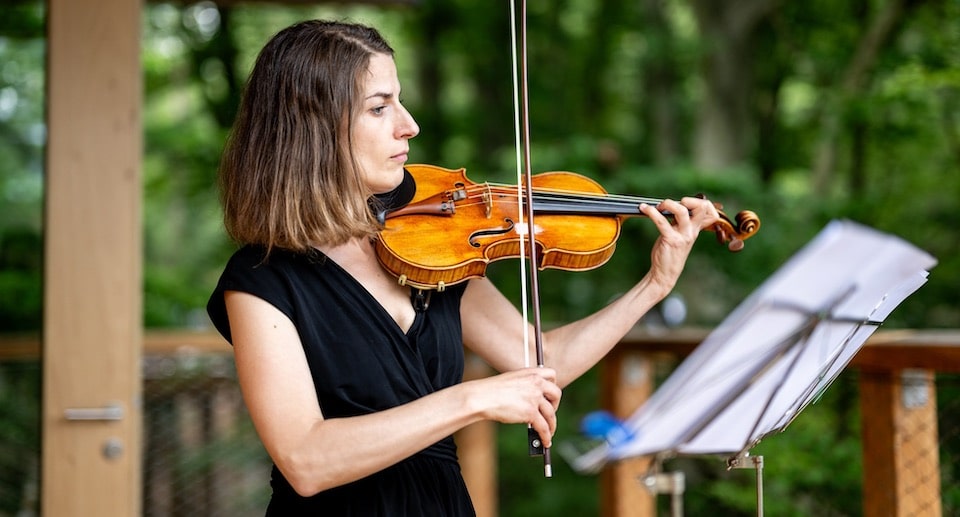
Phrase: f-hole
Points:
(479, 234)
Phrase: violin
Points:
(451, 228)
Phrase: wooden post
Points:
(627, 381)
(901, 463)
(92, 322)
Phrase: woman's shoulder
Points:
(253, 269)
(258, 257)
(269, 276)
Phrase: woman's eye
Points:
(378, 110)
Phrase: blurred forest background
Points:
(801, 111)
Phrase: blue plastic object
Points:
(602, 425)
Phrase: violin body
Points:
(430, 247)
(453, 228)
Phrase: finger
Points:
(548, 418)
(703, 211)
(548, 387)
(549, 413)
(546, 437)
(680, 212)
(552, 393)
(653, 213)
(547, 373)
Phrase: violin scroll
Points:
(734, 232)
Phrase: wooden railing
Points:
(895, 433)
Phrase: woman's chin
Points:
(384, 186)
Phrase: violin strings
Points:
(559, 199)
(573, 194)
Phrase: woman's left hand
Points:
(677, 236)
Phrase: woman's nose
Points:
(408, 127)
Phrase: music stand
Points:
(776, 353)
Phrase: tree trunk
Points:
(661, 80)
(723, 126)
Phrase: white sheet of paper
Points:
(778, 350)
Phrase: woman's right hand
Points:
(525, 396)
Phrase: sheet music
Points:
(777, 351)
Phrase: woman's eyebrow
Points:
(383, 95)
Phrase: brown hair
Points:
(287, 176)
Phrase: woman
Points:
(352, 383)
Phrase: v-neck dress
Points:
(361, 362)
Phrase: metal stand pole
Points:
(747, 461)
(668, 483)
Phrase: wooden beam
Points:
(935, 349)
(887, 349)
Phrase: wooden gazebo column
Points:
(92, 328)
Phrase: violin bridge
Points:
(488, 200)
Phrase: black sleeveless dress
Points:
(361, 362)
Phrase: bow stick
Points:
(525, 176)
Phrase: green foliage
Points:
(21, 166)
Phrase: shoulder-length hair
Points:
(288, 178)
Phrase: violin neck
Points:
(549, 202)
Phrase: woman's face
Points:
(383, 127)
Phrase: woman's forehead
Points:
(381, 77)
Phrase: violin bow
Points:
(526, 223)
